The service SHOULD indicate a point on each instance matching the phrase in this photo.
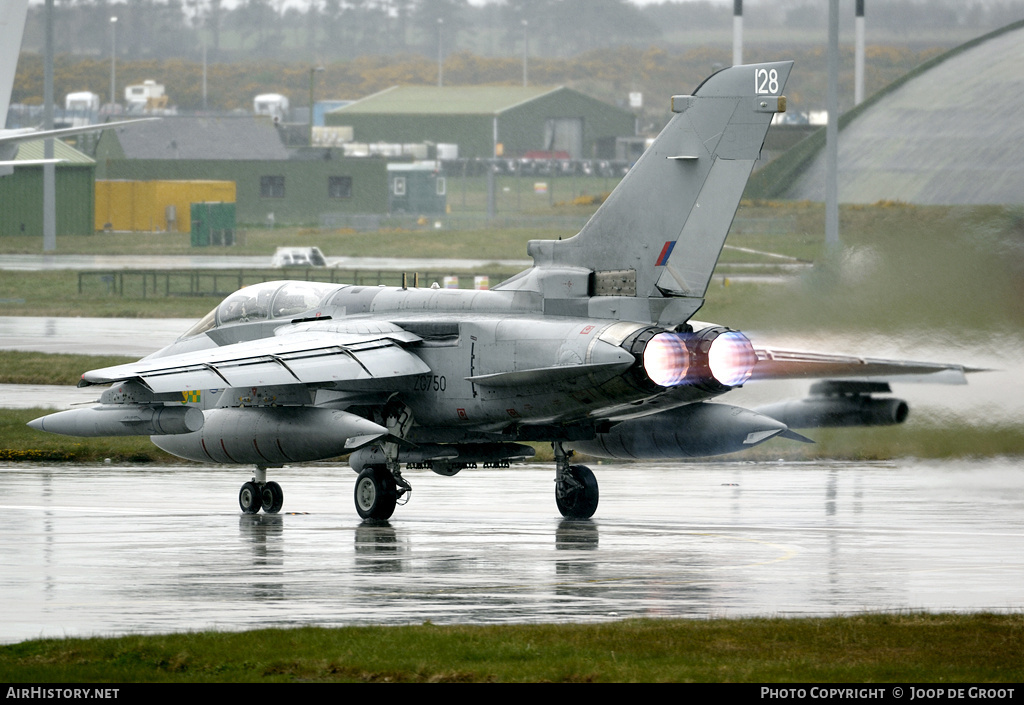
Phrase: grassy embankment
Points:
(940, 273)
(901, 649)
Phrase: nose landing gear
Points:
(259, 494)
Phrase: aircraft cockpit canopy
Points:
(269, 300)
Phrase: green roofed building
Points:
(273, 184)
(21, 193)
(487, 121)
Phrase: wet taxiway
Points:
(113, 550)
(90, 336)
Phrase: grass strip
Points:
(20, 367)
(19, 443)
(902, 648)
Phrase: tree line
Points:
(331, 30)
(609, 75)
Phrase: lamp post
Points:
(440, 52)
(49, 173)
(525, 50)
(313, 71)
(113, 60)
(858, 54)
(832, 131)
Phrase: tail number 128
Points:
(766, 81)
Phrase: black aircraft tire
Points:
(580, 503)
(272, 497)
(250, 498)
(375, 493)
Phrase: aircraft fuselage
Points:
(486, 377)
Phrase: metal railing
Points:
(147, 283)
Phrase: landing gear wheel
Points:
(250, 499)
(577, 496)
(375, 493)
(272, 498)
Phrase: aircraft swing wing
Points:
(777, 363)
(252, 401)
(339, 360)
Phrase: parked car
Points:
(298, 257)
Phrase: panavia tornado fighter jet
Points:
(592, 349)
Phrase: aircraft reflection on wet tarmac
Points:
(113, 550)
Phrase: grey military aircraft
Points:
(593, 349)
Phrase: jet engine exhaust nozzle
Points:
(666, 360)
(714, 358)
(730, 356)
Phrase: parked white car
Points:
(298, 257)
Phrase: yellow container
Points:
(155, 206)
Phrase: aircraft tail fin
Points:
(658, 236)
(12, 25)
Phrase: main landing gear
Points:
(379, 487)
(259, 494)
(576, 492)
(377, 492)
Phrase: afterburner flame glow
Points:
(666, 360)
(731, 358)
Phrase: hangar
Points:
(21, 193)
(487, 121)
(272, 183)
(950, 132)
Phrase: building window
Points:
(271, 187)
(339, 187)
(399, 186)
(441, 186)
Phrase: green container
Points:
(213, 224)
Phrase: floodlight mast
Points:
(832, 131)
(49, 171)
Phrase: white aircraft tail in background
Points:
(12, 26)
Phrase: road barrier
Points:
(146, 283)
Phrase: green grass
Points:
(19, 443)
(18, 367)
(55, 293)
(910, 648)
(474, 244)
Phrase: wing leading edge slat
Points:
(303, 358)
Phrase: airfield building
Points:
(487, 121)
(21, 193)
(271, 185)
